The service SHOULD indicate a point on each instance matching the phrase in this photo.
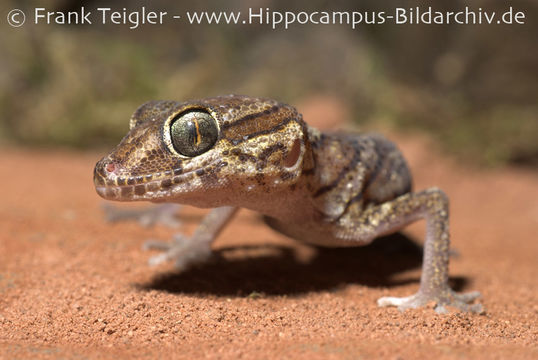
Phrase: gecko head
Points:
(211, 152)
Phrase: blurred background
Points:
(474, 88)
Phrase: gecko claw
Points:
(452, 299)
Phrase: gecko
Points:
(338, 189)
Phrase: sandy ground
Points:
(74, 286)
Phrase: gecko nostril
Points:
(110, 167)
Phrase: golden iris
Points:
(193, 133)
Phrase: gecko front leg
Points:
(431, 205)
(186, 251)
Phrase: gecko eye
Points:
(193, 133)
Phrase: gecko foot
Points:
(443, 298)
(185, 251)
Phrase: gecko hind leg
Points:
(431, 205)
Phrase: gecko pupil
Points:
(193, 133)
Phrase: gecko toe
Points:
(467, 297)
(156, 245)
(183, 250)
(158, 259)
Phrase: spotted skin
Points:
(327, 189)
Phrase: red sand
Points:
(74, 286)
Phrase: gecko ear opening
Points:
(294, 154)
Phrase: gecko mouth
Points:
(148, 191)
(149, 186)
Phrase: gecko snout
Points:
(105, 172)
(105, 178)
